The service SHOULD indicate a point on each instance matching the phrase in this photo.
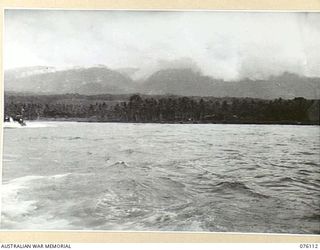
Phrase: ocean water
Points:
(161, 177)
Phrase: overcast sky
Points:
(228, 45)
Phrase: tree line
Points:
(169, 109)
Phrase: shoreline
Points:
(179, 122)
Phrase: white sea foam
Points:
(16, 208)
(35, 124)
(30, 124)
(6, 160)
(12, 206)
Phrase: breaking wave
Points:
(19, 205)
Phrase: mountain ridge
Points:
(176, 81)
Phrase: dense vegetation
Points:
(171, 109)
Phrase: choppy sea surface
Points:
(161, 177)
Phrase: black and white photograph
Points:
(158, 120)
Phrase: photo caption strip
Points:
(160, 246)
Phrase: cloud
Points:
(227, 45)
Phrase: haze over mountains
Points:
(177, 81)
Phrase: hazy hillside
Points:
(188, 82)
(178, 82)
(94, 80)
(185, 81)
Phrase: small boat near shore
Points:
(16, 122)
